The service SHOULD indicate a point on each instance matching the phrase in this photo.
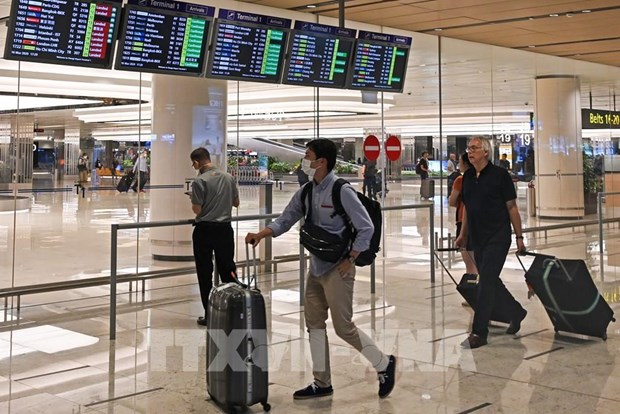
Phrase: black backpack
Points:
(373, 208)
(418, 167)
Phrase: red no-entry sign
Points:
(392, 148)
(372, 148)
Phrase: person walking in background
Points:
(329, 284)
(141, 171)
(456, 201)
(370, 178)
(503, 162)
(422, 167)
(83, 170)
(490, 208)
(214, 193)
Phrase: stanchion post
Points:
(265, 206)
(113, 264)
(431, 221)
(302, 274)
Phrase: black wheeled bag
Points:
(468, 288)
(124, 183)
(237, 362)
(569, 295)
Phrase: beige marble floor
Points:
(56, 356)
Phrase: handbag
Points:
(323, 244)
(319, 242)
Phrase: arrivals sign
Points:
(600, 119)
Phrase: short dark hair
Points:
(465, 159)
(324, 148)
(200, 154)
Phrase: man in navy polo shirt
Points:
(490, 208)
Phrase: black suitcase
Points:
(237, 363)
(124, 183)
(468, 288)
(427, 189)
(569, 295)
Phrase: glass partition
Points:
(55, 226)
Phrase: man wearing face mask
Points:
(330, 285)
(214, 194)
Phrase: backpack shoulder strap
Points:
(338, 208)
(306, 192)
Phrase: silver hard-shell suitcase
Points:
(237, 363)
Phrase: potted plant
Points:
(279, 169)
(592, 183)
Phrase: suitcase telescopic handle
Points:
(253, 261)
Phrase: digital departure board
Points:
(380, 62)
(164, 37)
(248, 47)
(68, 32)
(318, 55)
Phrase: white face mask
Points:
(307, 169)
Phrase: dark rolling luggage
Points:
(427, 189)
(468, 288)
(569, 295)
(237, 366)
(124, 183)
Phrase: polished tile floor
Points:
(56, 356)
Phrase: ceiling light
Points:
(569, 14)
(438, 29)
(586, 11)
(311, 6)
(532, 46)
(553, 15)
(530, 18)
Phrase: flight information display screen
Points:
(318, 55)
(380, 62)
(67, 32)
(248, 47)
(164, 37)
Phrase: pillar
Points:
(187, 113)
(558, 157)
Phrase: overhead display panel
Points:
(379, 62)
(318, 55)
(248, 47)
(164, 37)
(66, 32)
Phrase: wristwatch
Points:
(351, 259)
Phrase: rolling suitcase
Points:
(237, 366)
(569, 295)
(427, 189)
(468, 288)
(124, 183)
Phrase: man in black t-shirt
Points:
(490, 209)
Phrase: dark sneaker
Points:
(515, 324)
(474, 341)
(202, 321)
(313, 391)
(387, 378)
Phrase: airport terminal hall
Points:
(302, 206)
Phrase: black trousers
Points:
(490, 259)
(209, 238)
(369, 186)
(143, 180)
